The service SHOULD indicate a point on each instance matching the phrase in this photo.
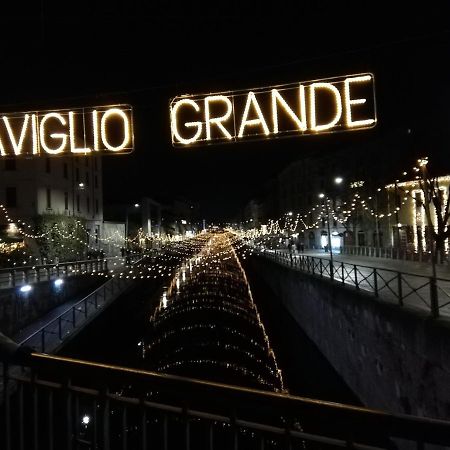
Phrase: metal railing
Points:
(18, 276)
(420, 291)
(50, 336)
(389, 252)
(69, 404)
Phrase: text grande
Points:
(314, 107)
(78, 131)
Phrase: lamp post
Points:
(426, 193)
(322, 196)
(136, 205)
(338, 181)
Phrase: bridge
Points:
(208, 375)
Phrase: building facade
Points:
(54, 186)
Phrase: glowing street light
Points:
(322, 195)
(25, 289)
(338, 180)
(85, 420)
(136, 205)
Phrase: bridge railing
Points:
(420, 291)
(389, 252)
(62, 403)
(18, 276)
(50, 336)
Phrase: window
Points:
(86, 161)
(96, 181)
(87, 178)
(95, 163)
(65, 171)
(66, 200)
(49, 198)
(78, 203)
(10, 164)
(88, 204)
(11, 197)
(48, 168)
(96, 206)
(77, 174)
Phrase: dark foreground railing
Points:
(60, 403)
(420, 291)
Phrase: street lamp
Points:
(136, 205)
(422, 162)
(323, 196)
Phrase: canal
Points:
(117, 336)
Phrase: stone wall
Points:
(393, 358)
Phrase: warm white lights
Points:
(277, 99)
(16, 145)
(174, 122)
(313, 107)
(104, 129)
(64, 132)
(43, 134)
(259, 121)
(349, 102)
(217, 120)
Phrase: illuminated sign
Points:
(78, 131)
(313, 107)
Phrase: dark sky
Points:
(144, 53)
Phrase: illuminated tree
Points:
(436, 205)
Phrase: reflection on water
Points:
(207, 325)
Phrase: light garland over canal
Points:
(207, 325)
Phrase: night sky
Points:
(95, 53)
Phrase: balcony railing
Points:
(420, 291)
(65, 404)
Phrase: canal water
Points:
(116, 337)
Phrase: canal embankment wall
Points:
(393, 358)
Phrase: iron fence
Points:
(390, 253)
(18, 276)
(60, 403)
(50, 336)
(419, 291)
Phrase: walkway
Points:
(414, 267)
(405, 283)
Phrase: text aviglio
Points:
(67, 132)
(320, 106)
